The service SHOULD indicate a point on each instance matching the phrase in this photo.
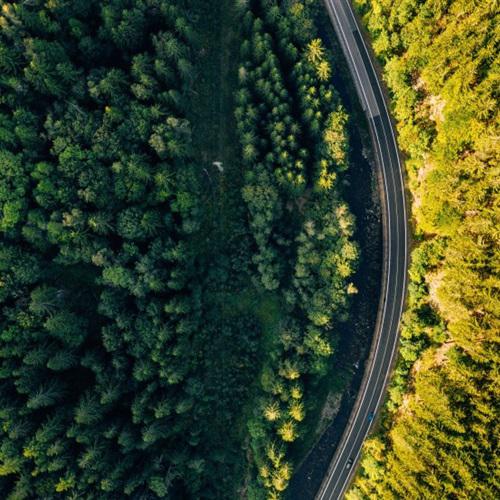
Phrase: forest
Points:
(439, 434)
(165, 316)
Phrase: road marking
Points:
(400, 171)
(382, 322)
(379, 373)
(405, 233)
(330, 4)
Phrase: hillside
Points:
(439, 434)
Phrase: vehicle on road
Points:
(371, 416)
(348, 465)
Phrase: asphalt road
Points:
(385, 339)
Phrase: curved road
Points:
(385, 340)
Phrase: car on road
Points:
(348, 465)
(371, 416)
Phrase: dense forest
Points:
(165, 316)
(439, 436)
(292, 132)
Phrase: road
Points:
(385, 339)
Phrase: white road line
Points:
(346, 438)
(400, 171)
(393, 310)
(393, 138)
(386, 140)
(378, 356)
(361, 86)
(376, 382)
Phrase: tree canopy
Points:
(439, 438)
(162, 324)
